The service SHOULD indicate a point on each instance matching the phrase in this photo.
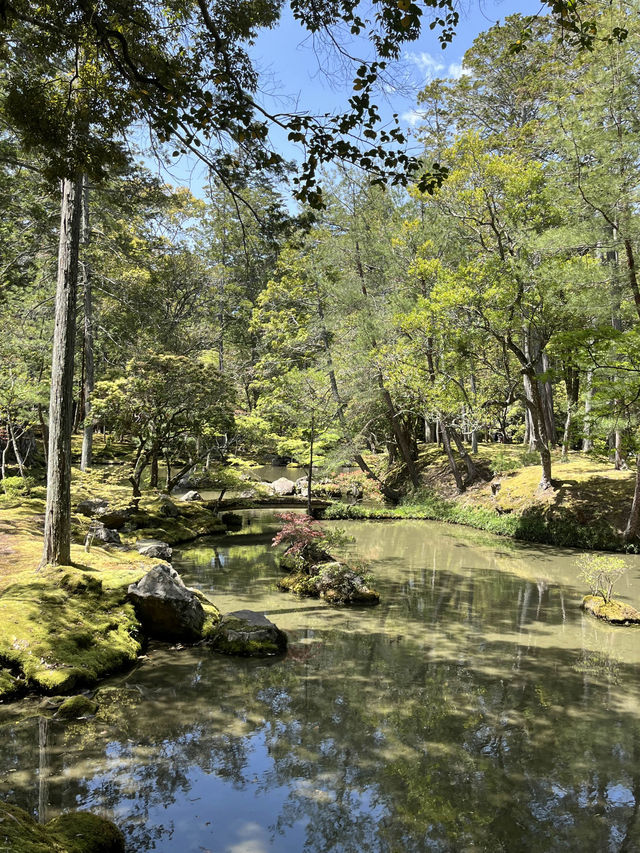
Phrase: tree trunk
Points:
(57, 532)
(537, 427)
(444, 432)
(153, 481)
(16, 449)
(399, 433)
(566, 436)
(546, 395)
(472, 471)
(633, 278)
(87, 389)
(587, 443)
(310, 474)
(45, 434)
(631, 530)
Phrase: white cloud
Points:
(413, 117)
(425, 62)
(432, 67)
(457, 70)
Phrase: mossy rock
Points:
(613, 611)
(248, 634)
(334, 582)
(83, 832)
(74, 832)
(10, 685)
(77, 706)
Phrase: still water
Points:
(475, 709)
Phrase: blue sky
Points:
(297, 73)
(287, 58)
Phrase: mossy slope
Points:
(75, 832)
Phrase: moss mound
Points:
(64, 628)
(612, 611)
(335, 582)
(248, 634)
(77, 706)
(75, 832)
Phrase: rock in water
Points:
(166, 608)
(613, 611)
(191, 496)
(154, 548)
(283, 486)
(72, 832)
(247, 633)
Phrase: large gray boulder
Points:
(105, 535)
(154, 548)
(166, 608)
(92, 507)
(302, 486)
(250, 634)
(283, 486)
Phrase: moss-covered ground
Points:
(587, 507)
(65, 627)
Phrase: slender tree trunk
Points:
(16, 449)
(57, 532)
(3, 465)
(587, 443)
(546, 394)
(472, 471)
(153, 481)
(457, 476)
(87, 389)
(566, 436)
(310, 474)
(631, 530)
(537, 426)
(45, 434)
(617, 449)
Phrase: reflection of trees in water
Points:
(437, 739)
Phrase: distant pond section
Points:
(476, 708)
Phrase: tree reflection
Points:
(434, 733)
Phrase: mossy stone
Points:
(613, 611)
(77, 706)
(75, 832)
(335, 582)
(83, 832)
(248, 634)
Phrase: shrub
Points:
(16, 486)
(601, 572)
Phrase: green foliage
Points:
(601, 572)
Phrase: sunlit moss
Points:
(75, 832)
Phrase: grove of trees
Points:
(491, 296)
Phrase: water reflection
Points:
(475, 709)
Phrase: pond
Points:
(476, 708)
